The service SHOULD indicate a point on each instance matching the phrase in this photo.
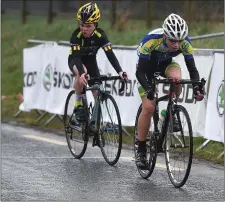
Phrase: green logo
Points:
(47, 78)
(220, 99)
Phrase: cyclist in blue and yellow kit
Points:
(156, 52)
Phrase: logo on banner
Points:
(220, 99)
(48, 77)
(112, 87)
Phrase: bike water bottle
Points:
(161, 119)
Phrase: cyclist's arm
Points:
(111, 57)
(143, 52)
(76, 53)
(193, 72)
(142, 68)
(187, 51)
(106, 46)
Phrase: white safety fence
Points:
(48, 80)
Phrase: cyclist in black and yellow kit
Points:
(156, 52)
(85, 43)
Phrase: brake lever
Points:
(124, 82)
(203, 81)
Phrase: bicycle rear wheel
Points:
(151, 147)
(110, 129)
(77, 137)
(179, 147)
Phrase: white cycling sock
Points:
(78, 99)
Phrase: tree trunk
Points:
(113, 22)
(188, 10)
(149, 14)
(50, 13)
(23, 11)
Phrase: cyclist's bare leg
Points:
(144, 119)
(175, 72)
(77, 85)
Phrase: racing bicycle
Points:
(102, 122)
(176, 143)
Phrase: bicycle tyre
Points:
(150, 143)
(101, 139)
(175, 182)
(69, 130)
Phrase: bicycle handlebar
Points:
(182, 81)
(109, 78)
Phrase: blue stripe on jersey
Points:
(188, 56)
(188, 39)
(143, 56)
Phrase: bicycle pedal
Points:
(77, 128)
(160, 150)
(92, 131)
(95, 143)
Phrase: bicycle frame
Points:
(93, 118)
(172, 99)
(93, 111)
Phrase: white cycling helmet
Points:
(175, 27)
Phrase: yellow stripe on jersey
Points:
(147, 47)
(97, 33)
(186, 48)
(76, 47)
(107, 48)
(79, 34)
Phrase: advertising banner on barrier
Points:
(129, 101)
(47, 78)
(49, 81)
(214, 128)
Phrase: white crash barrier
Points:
(48, 80)
(214, 126)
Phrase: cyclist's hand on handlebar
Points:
(150, 94)
(198, 92)
(123, 75)
(83, 78)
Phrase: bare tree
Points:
(189, 7)
(23, 11)
(149, 14)
(50, 12)
(113, 22)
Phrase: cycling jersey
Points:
(84, 49)
(153, 47)
(153, 53)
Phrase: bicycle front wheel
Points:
(110, 129)
(179, 146)
(76, 137)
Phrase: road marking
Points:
(126, 158)
(45, 139)
(159, 165)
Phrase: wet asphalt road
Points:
(38, 166)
